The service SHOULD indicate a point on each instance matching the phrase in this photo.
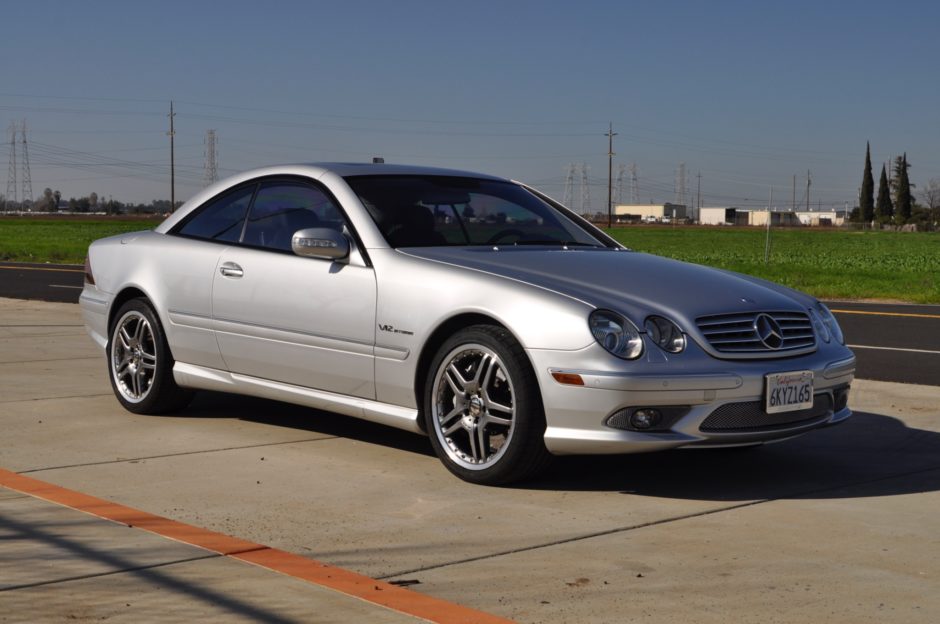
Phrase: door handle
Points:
(230, 269)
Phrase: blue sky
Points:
(747, 93)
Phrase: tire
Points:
(140, 365)
(483, 409)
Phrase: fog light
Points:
(645, 418)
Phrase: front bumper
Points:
(692, 390)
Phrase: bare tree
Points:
(931, 195)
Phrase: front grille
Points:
(750, 416)
(739, 334)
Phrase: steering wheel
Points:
(495, 238)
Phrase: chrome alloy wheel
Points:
(133, 356)
(473, 406)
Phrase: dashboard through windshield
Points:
(433, 211)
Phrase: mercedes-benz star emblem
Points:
(768, 331)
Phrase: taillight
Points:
(89, 277)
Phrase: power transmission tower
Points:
(569, 186)
(621, 171)
(27, 179)
(211, 174)
(680, 185)
(11, 172)
(634, 191)
(585, 190)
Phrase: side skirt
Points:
(202, 378)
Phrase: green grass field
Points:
(59, 239)
(828, 263)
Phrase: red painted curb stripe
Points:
(343, 581)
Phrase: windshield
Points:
(434, 211)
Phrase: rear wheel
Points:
(483, 409)
(140, 365)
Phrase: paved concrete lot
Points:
(836, 526)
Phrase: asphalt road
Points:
(893, 342)
(46, 282)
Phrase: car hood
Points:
(632, 283)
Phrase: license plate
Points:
(788, 392)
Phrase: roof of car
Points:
(357, 169)
(314, 170)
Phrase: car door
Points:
(188, 259)
(292, 319)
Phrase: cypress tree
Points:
(866, 202)
(903, 202)
(883, 208)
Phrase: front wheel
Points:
(140, 365)
(483, 409)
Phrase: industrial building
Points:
(785, 218)
(650, 212)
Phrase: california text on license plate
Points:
(787, 392)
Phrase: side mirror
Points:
(322, 243)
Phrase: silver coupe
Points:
(469, 308)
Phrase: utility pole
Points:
(172, 133)
(793, 199)
(699, 195)
(809, 180)
(610, 173)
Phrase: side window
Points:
(282, 208)
(221, 219)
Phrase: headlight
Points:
(818, 324)
(830, 321)
(616, 334)
(665, 333)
